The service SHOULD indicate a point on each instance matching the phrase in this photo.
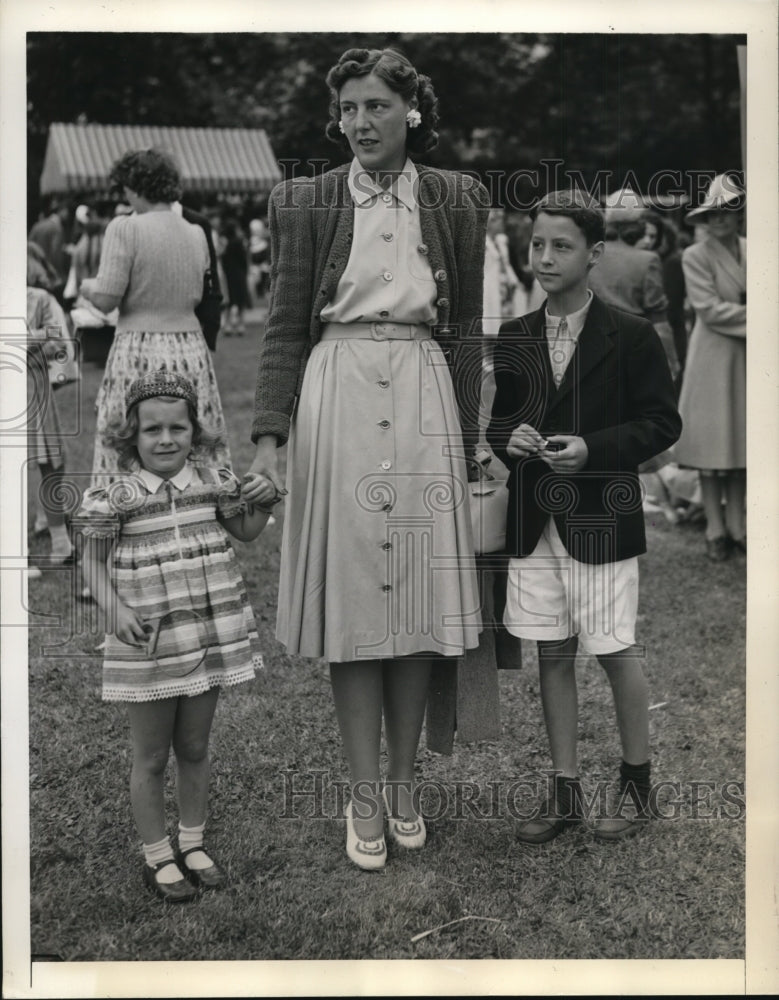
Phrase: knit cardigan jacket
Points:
(311, 227)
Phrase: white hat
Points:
(623, 206)
(723, 191)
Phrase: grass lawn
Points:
(674, 891)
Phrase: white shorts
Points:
(551, 596)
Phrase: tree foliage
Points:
(596, 102)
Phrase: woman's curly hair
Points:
(122, 435)
(401, 77)
(150, 173)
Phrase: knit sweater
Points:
(156, 262)
(311, 226)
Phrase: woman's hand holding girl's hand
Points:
(258, 489)
(264, 467)
(128, 626)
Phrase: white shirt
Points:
(562, 343)
(153, 482)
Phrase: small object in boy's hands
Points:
(554, 445)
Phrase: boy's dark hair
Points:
(584, 211)
(121, 436)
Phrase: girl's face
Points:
(164, 438)
(374, 120)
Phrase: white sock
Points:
(41, 521)
(162, 851)
(60, 541)
(189, 837)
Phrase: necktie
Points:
(557, 353)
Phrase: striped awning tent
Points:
(211, 160)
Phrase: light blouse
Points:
(388, 277)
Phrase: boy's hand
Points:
(525, 440)
(128, 626)
(571, 457)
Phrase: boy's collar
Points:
(181, 480)
(570, 316)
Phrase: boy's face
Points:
(559, 254)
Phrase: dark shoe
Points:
(739, 545)
(561, 809)
(207, 878)
(180, 891)
(718, 549)
(626, 813)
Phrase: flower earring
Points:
(413, 118)
(341, 126)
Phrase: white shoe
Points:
(410, 834)
(33, 573)
(367, 854)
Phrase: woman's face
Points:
(649, 240)
(723, 224)
(374, 121)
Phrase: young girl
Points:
(179, 625)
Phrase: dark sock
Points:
(634, 779)
(568, 793)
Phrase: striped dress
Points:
(173, 564)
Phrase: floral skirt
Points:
(133, 353)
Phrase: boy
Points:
(583, 395)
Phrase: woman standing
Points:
(152, 267)
(713, 397)
(376, 271)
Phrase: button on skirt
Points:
(377, 556)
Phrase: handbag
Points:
(209, 309)
(489, 498)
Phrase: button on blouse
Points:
(388, 275)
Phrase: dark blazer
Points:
(617, 395)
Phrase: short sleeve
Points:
(228, 498)
(97, 517)
(116, 257)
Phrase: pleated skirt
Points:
(377, 554)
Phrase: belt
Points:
(376, 331)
